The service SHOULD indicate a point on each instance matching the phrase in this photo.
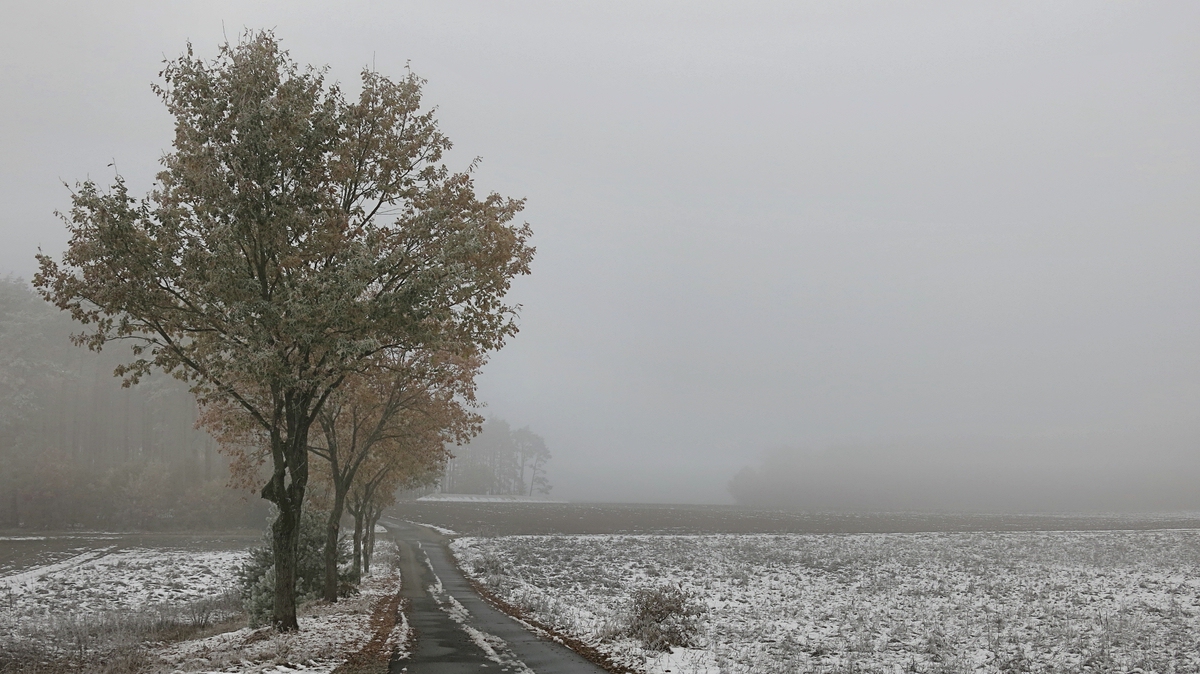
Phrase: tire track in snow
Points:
(26, 578)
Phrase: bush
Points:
(488, 566)
(258, 595)
(257, 576)
(664, 616)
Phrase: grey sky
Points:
(788, 224)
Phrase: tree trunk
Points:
(332, 528)
(358, 567)
(285, 542)
(290, 461)
(371, 523)
(368, 546)
(533, 477)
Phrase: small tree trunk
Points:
(371, 524)
(332, 529)
(537, 461)
(358, 558)
(368, 547)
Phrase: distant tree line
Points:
(499, 461)
(79, 450)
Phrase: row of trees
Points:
(306, 263)
(383, 430)
(500, 460)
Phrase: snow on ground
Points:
(328, 634)
(107, 580)
(100, 599)
(103, 584)
(936, 602)
(441, 530)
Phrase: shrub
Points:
(665, 616)
(488, 566)
(257, 576)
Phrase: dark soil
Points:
(498, 519)
(20, 549)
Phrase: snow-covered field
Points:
(104, 595)
(103, 600)
(1118, 601)
(107, 580)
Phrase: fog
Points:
(786, 236)
(1104, 472)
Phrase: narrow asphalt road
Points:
(456, 630)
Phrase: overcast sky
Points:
(782, 225)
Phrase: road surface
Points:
(456, 630)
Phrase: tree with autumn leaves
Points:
(390, 426)
(416, 459)
(384, 429)
(295, 243)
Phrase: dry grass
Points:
(111, 642)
